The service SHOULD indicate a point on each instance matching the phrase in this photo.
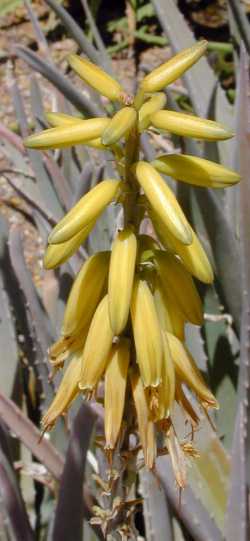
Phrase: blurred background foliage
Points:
(48, 489)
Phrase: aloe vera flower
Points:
(124, 322)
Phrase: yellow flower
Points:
(126, 311)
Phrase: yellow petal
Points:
(157, 102)
(163, 201)
(119, 126)
(121, 276)
(97, 348)
(170, 318)
(197, 171)
(96, 77)
(187, 125)
(85, 293)
(179, 286)
(167, 388)
(115, 390)
(57, 254)
(145, 424)
(193, 256)
(61, 119)
(68, 135)
(147, 334)
(174, 68)
(188, 372)
(85, 211)
(66, 393)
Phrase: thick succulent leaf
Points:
(237, 522)
(156, 511)
(70, 507)
(222, 349)
(40, 328)
(42, 188)
(24, 429)
(241, 22)
(75, 31)
(41, 39)
(11, 495)
(54, 75)
(105, 60)
(191, 512)
(10, 357)
(225, 250)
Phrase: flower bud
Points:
(115, 390)
(67, 135)
(193, 256)
(188, 372)
(145, 424)
(163, 201)
(179, 286)
(57, 254)
(121, 277)
(119, 125)
(85, 211)
(97, 348)
(96, 77)
(154, 104)
(187, 125)
(85, 293)
(197, 171)
(174, 68)
(147, 334)
(66, 393)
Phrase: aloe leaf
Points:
(155, 509)
(70, 507)
(237, 526)
(42, 42)
(225, 250)
(52, 74)
(191, 512)
(11, 496)
(222, 349)
(42, 187)
(24, 429)
(106, 63)
(75, 31)
(8, 340)
(12, 138)
(40, 329)
(241, 22)
(200, 80)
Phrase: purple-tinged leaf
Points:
(70, 509)
(26, 431)
(7, 327)
(12, 138)
(11, 497)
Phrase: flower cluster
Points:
(126, 312)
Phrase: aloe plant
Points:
(215, 504)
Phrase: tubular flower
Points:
(125, 317)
